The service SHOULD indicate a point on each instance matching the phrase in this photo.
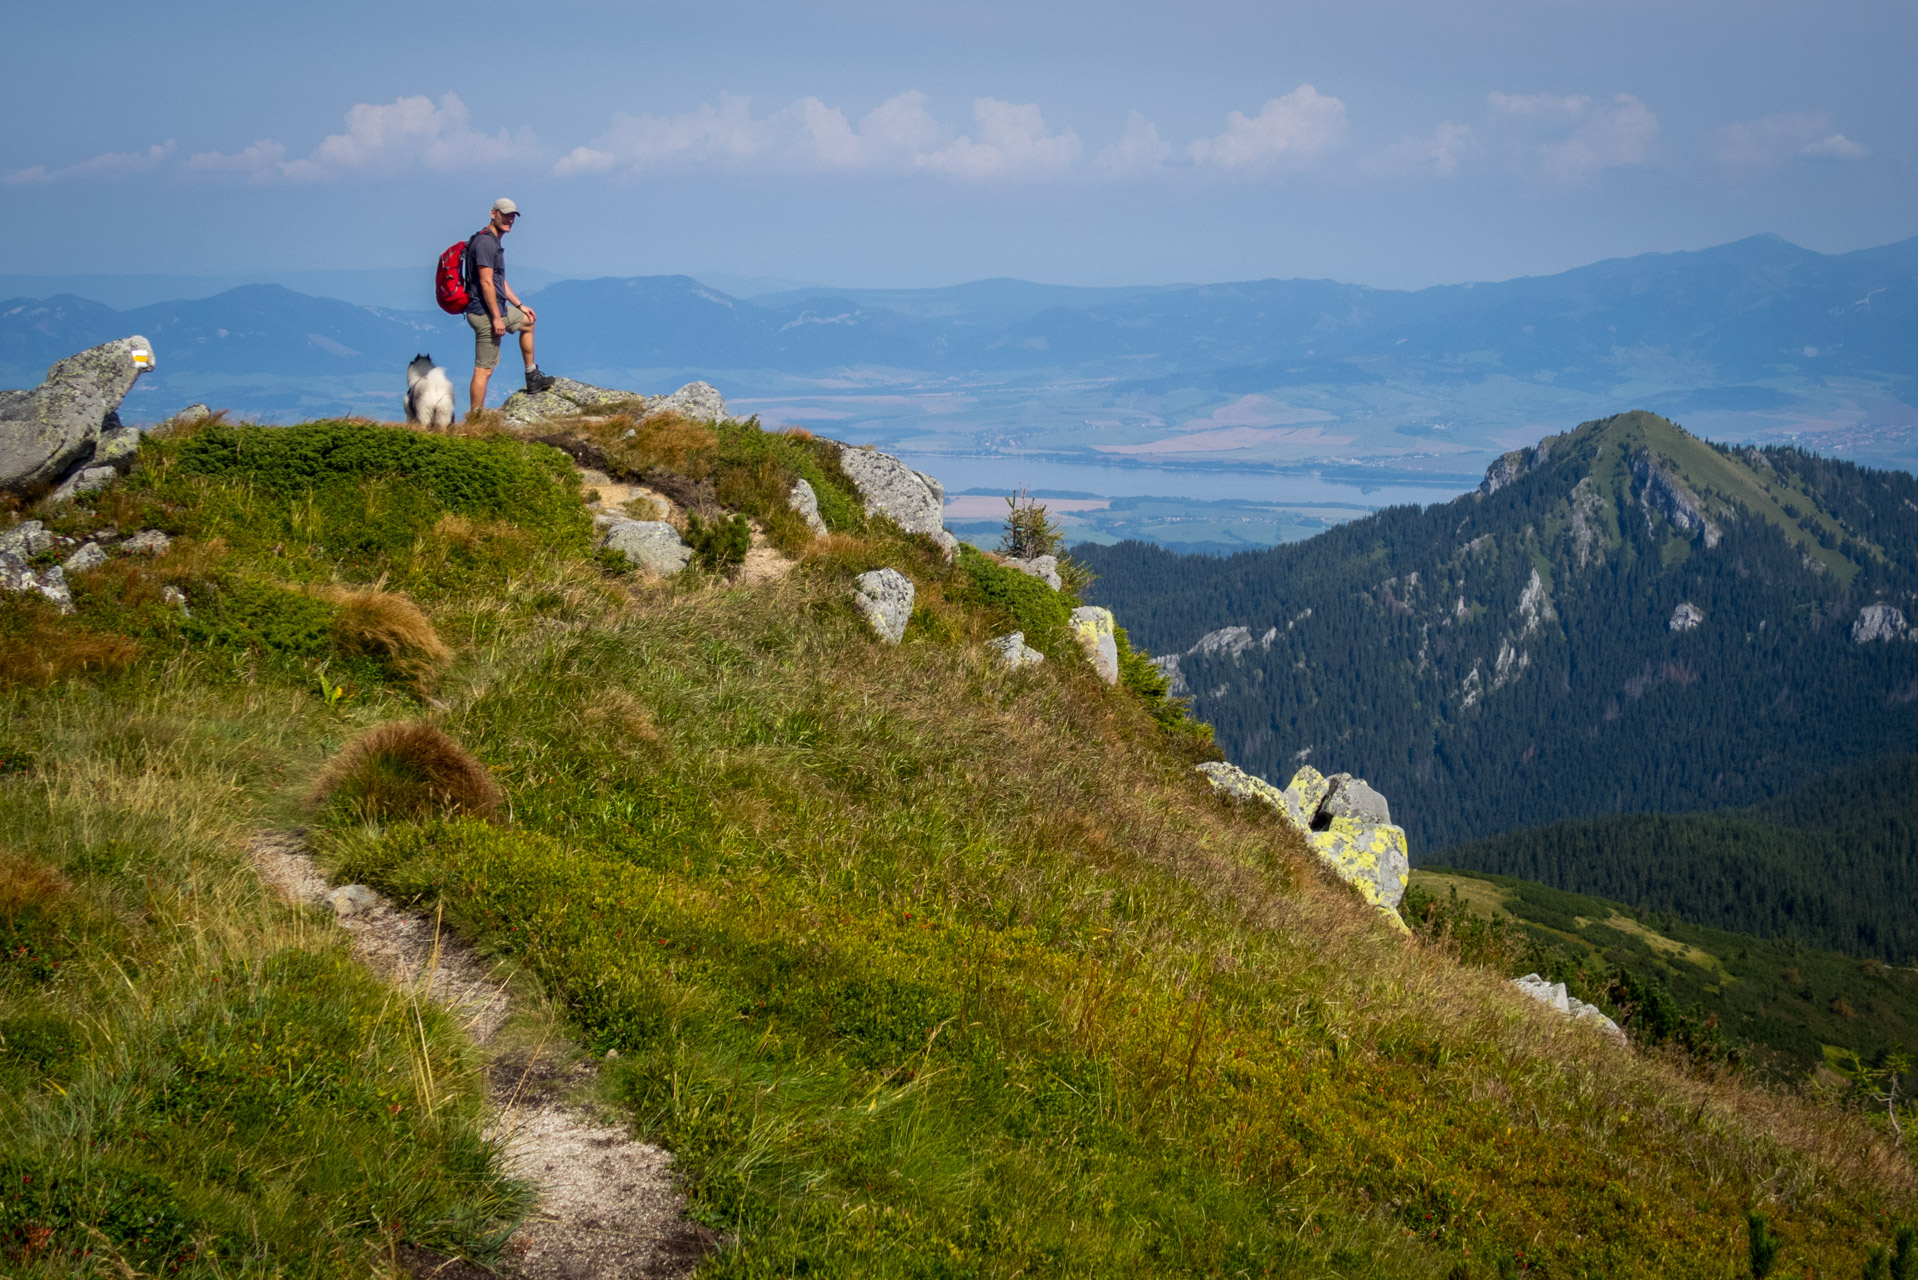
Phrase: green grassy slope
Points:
(1833, 864)
(921, 967)
(1789, 1006)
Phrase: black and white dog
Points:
(429, 393)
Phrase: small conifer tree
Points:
(1030, 532)
(1764, 1245)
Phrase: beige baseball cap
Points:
(503, 205)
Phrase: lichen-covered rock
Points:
(192, 413)
(1014, 651)
(25, 540)
(352, 900)
(570, 398)
(1879, 622)
(89, 556)
(911, 499)
(1094, 629)
(47, 431)
(651, 545)
(1044, 568)
(1358, 841)
(803, 500)
(1686, 617)
(1553, 995)
(17, 576)
(118, 447)
(884, 597)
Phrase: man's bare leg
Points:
(476, 393)
(526, 346)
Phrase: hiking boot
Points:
(537, 382)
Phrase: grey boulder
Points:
(1553, 995)
(803, 500)
(1044, 568)
(17, 576)
(147, 542)
(85, 480)
(569, 398)
(1686, 617)
(1014, 651)
(118, 447)
(46, 432)
(911, 499)
(652, 545)
(1350, 797)
(89, 556)
(884, 598)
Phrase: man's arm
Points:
(513, 298)
(490, 297)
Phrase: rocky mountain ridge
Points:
(1612, 593)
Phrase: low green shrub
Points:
(1020, 601)
(719, 546)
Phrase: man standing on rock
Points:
(494, 310)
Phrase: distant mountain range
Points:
(1623, 619)
(1758, 339)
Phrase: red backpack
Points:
(449, 281)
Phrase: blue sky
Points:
(1391, 143)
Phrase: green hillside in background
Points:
(917, 964)
(1786, 1006)
(1623, 619)
(1833, 864)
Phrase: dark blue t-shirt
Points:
(485, 250)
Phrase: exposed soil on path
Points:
(608, 1208)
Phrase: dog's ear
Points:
(428, 357)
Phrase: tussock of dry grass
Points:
(25, 883)
(400, 771)
(45, 651)
(390, 627)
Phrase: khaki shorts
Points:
(485, 345)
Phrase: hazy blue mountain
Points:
(1755, 340)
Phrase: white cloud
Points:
(1012, 141)
(1436, 156)
(261, 157)
(113, 164)
(1533, 105)
(402, 136)
(1287, 131)
(899, 135)
(1620, 133)
(1774, 140)
(1139, 150)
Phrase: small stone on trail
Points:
(351, 900)
(652, 545)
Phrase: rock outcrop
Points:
(28, 539)
(1662, 492)
(651, 545)
(1514, 465)
(1014, 651)
(1347, 823)
(569, 398)
(1554, 995)
(1097, 634)
(804, 501)
(884, 596)
(1686, 617)
(1880, 622)
(50, 431)
(911, 499)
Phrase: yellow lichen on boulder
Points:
(1342, 819)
